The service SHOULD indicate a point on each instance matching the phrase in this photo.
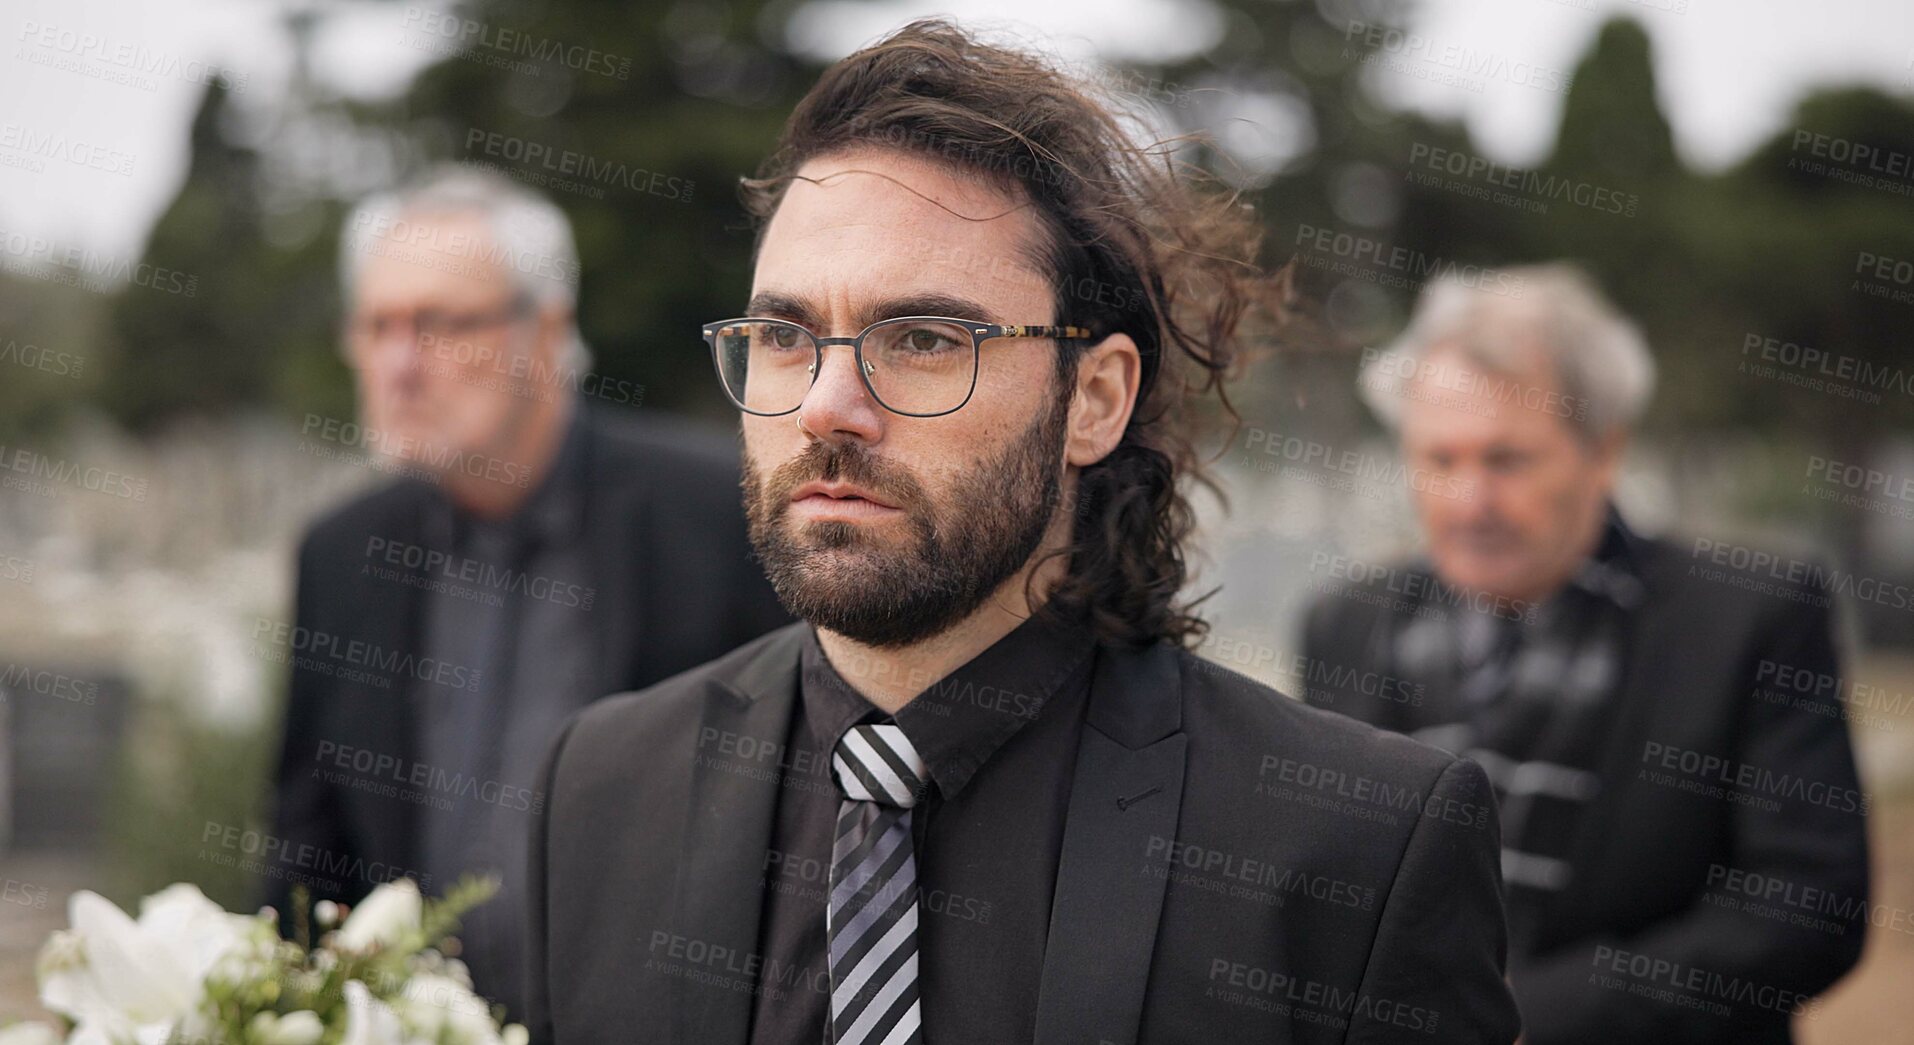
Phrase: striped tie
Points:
(871, 922)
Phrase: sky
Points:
(96, 95)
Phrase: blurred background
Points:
(1739, 176)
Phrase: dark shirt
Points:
(999, 735)
(526, 651)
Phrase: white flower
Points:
(368, 1020)
(392, 910)
(440, 1008)
(294, 1028)
(123, 980)
(29, 1034)
(108, 970)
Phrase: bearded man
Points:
(982, 792)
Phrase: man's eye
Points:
(783, 337)
(924, 339)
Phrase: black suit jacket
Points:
(645, 884)
(1699, 674)
(675, 586)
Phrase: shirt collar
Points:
(1613, 570)
(959, 721)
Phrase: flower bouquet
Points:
(186, 972)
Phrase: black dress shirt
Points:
(999, 736)
(521, 629)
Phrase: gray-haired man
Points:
(531, 556)
(1662, 729)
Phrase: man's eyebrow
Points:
(930, 304)
(774, 305)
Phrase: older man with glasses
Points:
(531, 555)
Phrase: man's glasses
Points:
(919, 366)
(430, 325)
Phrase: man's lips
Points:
(838, 499)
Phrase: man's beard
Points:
(837, 578)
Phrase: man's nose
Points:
(838, 405)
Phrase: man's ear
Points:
(1108, 378)
(1608, 455)
(554, 325)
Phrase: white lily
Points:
(294, 1028)
(369, 1021)
(393, 910)
(29, 1034)
(124, 979)
(440, 1008)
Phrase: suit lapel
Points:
(729, 822)
(1114, 867)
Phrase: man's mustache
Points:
(850, 463)
(1493, 532)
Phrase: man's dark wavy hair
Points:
(1137, 242)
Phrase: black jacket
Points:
(1650, 942)
(646, 867)
(675, 585)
